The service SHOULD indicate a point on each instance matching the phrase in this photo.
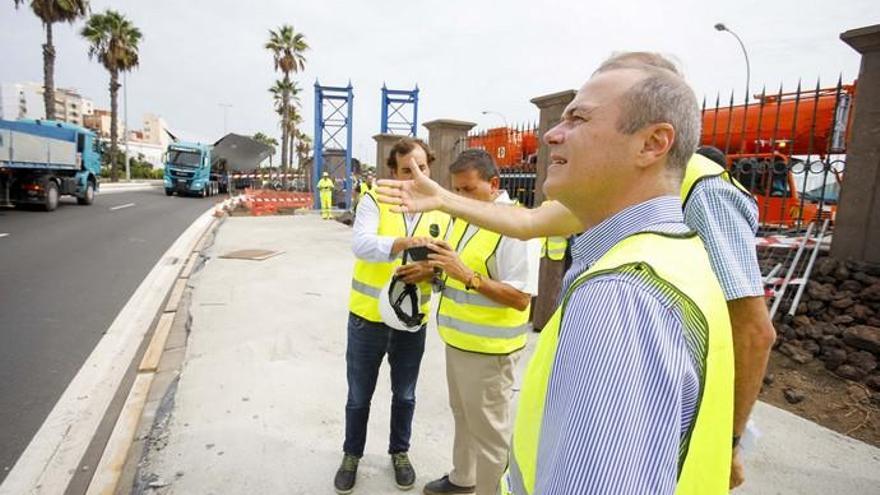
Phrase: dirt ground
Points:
(840, 405)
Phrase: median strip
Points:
(127, 205)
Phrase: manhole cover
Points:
(251, 254)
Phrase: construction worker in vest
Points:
(718, 208)
(630, 389)
(483, 318)
(325, 189)
(379, 240)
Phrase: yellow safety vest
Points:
(325, 185)
(468, 320)
(679, 266)
(554, 248)
(365, 188)
(698, 168)
(370, 277)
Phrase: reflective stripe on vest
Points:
(554, 248)
(468, 320)
(679, 267)
(370, 277)
(698, 168)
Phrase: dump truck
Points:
(42, 160)
(190, 170)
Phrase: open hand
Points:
(447, 259)
(410, 196)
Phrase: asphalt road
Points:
(64, 276)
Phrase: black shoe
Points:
(346, 474)
(404, 474)
(444, 486)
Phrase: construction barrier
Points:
(267, 202)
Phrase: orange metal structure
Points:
(509, 147)
(764, 140)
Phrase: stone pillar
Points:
(384, 143)
(447, 138)
(857, 226)
(551, 107)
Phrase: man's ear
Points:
(657, 140)
(495, 182)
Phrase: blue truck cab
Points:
(189, 170)
(42, 160)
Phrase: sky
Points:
(465, 56)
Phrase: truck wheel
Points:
(169, 192)
(51, 202)
(89, 197)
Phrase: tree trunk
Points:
(49, 73)
(114, 111)
(285, 115)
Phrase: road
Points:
(64, 276)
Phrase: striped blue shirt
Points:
(727, 221)
(624, 386)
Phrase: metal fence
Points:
(515, 151)
(787, 148)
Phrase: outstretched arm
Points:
(423, 194)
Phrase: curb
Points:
(110, 469)
(50, 462)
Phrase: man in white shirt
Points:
(380, 237)
(483, 317)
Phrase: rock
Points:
(843, 303)
(801, 321)
(873, 321)
(811, 346)
(864, 278)
(814, 307)
(843, 320)
(834, 358)
(875, 399)
(829, 342)
(793, 396)
(864, 337)
(852, 286)
(826, 266)
(796, 353)
(873, 382)
(814, 331)
(801, 309)
(789, 334)
(850, 372)
(842, 294)
(842, 273)
(800, 332)
(770, 378)
(861, 312)
(831, 329)
(819, 292)
(863, 360)
(872, 293)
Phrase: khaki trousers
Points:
(480, 391)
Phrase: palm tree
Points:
(51, 12)
(113, 40)
(288, 48)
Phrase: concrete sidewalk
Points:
(259, 407)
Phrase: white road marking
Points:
(4, 234)
(127, 205)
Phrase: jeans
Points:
(368, 343)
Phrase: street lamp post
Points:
(721, 27)
(226, 107)
(487, 112)
(126, 133)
